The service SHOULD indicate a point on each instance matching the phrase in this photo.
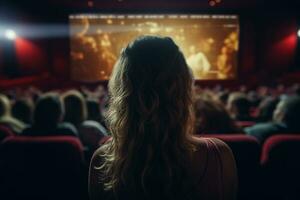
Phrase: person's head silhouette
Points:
(149, 116)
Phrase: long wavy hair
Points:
(150, 118)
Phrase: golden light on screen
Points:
(209, 42)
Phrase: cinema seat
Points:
(50, 168)
(5, 132)
(281, 167)
(246, 150)
(245, 124)
(104, 140)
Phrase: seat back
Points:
(5, 132)
(245, 124)
(42, 168)
(246, 150)
(281, 167)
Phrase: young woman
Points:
(152, 154)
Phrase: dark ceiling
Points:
(134, 4)
(51, 9)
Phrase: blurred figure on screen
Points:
(226, 61)
(223, 64)
(84, 53)
(233, 41)
(198, 62)
(107, 58)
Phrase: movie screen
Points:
(210, 43)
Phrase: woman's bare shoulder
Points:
(210, 146)
(95, 181)
(208, 142)
(97, 157)
(213, 159)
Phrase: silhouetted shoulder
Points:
(214, 165)
(66, 128)
(96, 189)
(264, 130)
(97, 156)
(211, 143)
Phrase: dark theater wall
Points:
(31, 56)
(60, 57)
(248, 46)
(278, 44)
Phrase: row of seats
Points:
(271, 171)
(54, 167)
(42, 168)
(5, 132)
(281, 167)
(246, 150)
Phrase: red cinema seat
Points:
(281, 167)
(5, 132)
(245, 124)
(104, 140)
(50, 168)
(246, 150)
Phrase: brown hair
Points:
(150, 119)
(5, 107)
(212, 117)
(75, 107)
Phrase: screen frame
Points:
(204, 82)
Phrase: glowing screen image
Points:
(210, 43)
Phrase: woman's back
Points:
(150, 116)
(212, 175)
